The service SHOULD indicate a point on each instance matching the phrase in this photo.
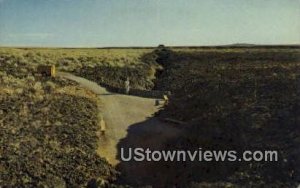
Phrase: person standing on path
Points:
(102, 126)
(127, 86)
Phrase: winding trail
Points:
(122, 111)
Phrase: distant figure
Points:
(102, 126)
(127, 86)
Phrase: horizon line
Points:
(238, 45)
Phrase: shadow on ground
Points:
(152, 134)
(155, 135)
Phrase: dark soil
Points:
(246, 100)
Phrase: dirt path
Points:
(122, 111)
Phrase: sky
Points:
(107, 23)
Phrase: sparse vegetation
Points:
(42, 143)
(105, 66)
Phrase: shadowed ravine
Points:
(130, 123)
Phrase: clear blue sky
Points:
(90, 23)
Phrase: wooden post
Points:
(53, 71)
